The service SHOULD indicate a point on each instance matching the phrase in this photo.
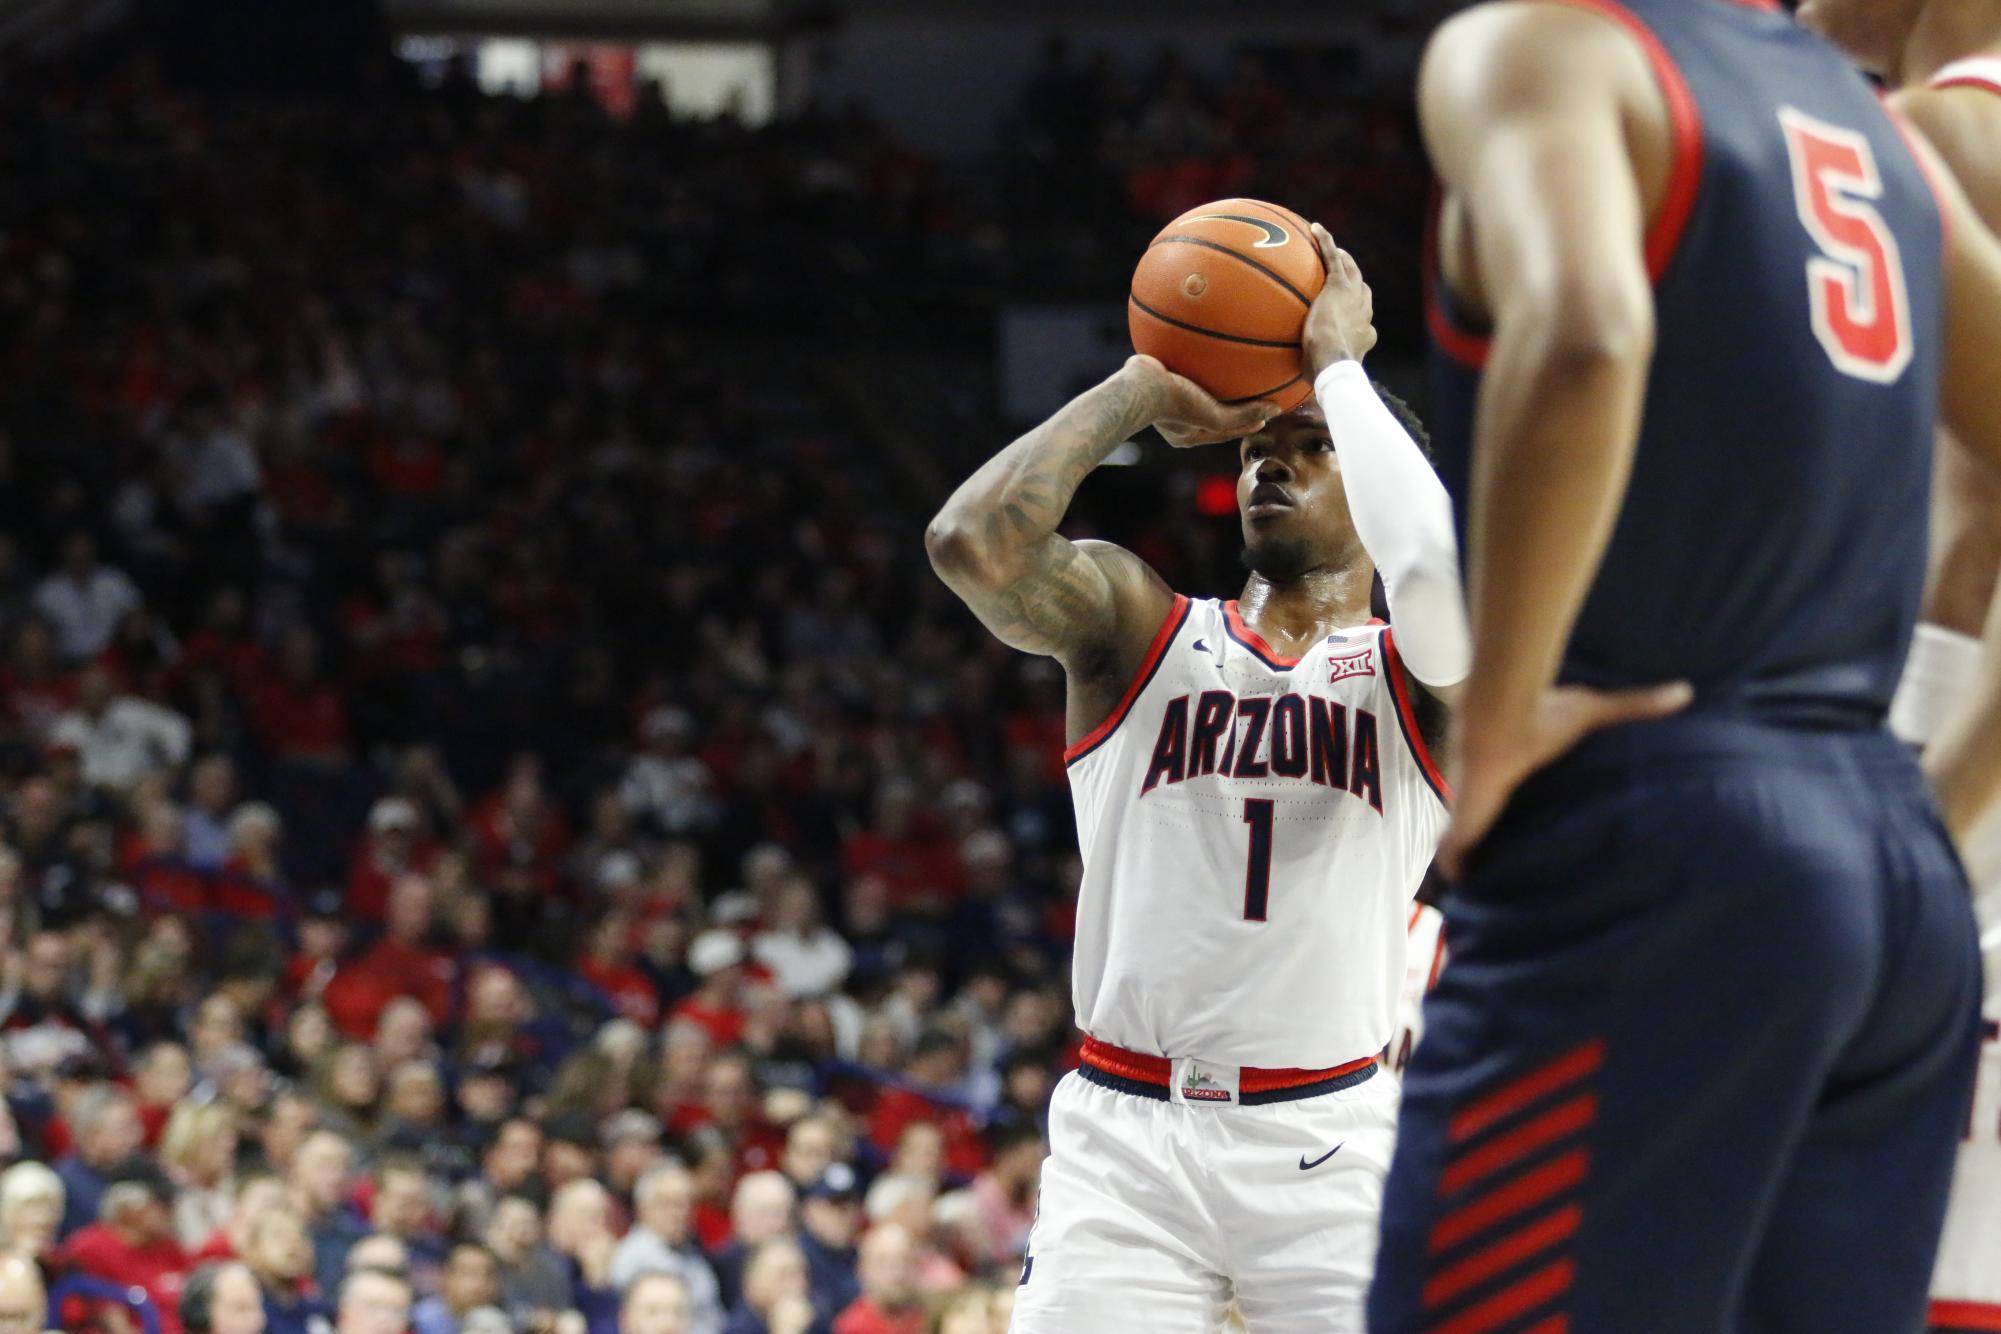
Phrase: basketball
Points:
(1220, 296)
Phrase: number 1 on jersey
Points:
(1257, 874)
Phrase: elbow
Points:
(957, 555)
(1607, 332)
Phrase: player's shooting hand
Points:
(1488, 767)
(1340, 325)
(1186, 414)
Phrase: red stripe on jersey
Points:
(1558, 1123)
(1523, 1193)
(1176, 615)
(1556, 1324)
(1437, 959)
(1394, 671)
(1468, 349)
(1252, 640)
(1515, 1300)
(1966, 1315)
(1518, 1093)
(1502, 1255)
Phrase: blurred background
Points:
(484, 758)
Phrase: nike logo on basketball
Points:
(1275, 235)
(1305, 1166)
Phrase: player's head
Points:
(1872, 32)
(1290, 498)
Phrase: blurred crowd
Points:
(502, 831)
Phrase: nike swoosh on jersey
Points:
(1200, 647)
(1305, 1166)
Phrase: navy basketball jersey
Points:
(1771, 547)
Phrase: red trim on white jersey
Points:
(1177, 615)
(1400, 691)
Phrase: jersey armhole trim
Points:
(1400, 692)
(1914, 145)
(1965, 1315)
(1663, 238)
(1685, 122)
(1155, 652)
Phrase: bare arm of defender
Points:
(1547, 128)
(1964, 758)
(1092, 606)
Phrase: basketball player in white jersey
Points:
(1256, 805)
(1944, 59)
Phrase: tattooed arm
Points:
(1092, 606)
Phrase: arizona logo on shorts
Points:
(1198, 1086)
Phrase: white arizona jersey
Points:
(1424, 955)
(1966, 1282)
(1253, 830)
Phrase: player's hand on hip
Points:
(1487, 768)
(1340, 325)
(1186, 414)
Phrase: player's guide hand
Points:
(1340, 325)
(1185, 413)
(1489, 765)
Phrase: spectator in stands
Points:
(254, 1195)
(222, 1298)
(471, 1280)
(662, 1242)
(580, 1233)
(83, 599)
(664, 786)
(251, 884)
(133, 1243)
(811, 1145)
(775, 1297)
(532, 1277)
(805, 957)
(279, 1252)
(288, 1120)
(211, 798)
(402, 1209)
(31, 1210)
(760, 1210)
(24, 1301)
(318, 1187)
(656, 1303)
(392, 850)
(402, 965)
(119, 738)
(105, 1126)
(910, 1202)
(829, 1218)
(373, 1302)
(198, 1150)
(1005, 1192)
(889, 1302)
(717, 959)
(381, 1252)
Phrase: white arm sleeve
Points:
(1404, 518)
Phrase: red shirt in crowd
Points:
(965, 1154)
(240, 896)
(724, 1026)
(159, 1267)
(628, 988)
(358, 993)
(865, 1317)
(299, 719)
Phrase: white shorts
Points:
(1154, 1215)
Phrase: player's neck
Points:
(1298, 611)
(1949, 32)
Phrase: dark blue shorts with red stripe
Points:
(1702, 1052)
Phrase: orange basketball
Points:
(1221, 296)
